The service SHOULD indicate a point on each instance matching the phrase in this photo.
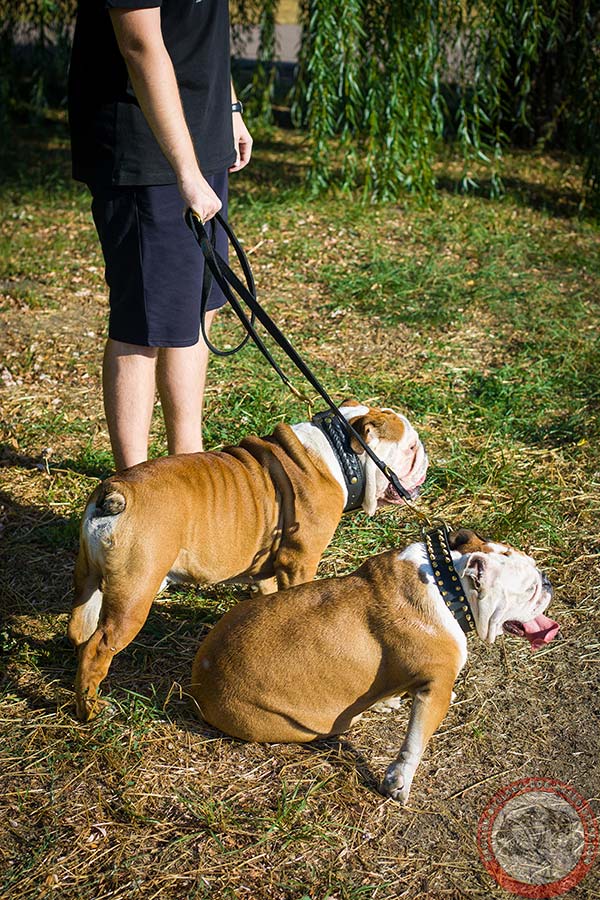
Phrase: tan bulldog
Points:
(261, 513)
(306, 663)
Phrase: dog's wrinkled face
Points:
(395, 441)
(505, 588)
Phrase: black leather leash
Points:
(446, 577)
(229, 283)
(436, 539)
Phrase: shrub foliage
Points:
(388, 79)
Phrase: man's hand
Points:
(199, 197)
(242, 140)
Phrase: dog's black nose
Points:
(546, 584)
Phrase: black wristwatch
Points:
(238, 106)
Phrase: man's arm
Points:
(153, 78)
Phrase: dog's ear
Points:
(350, 402)
(465, 541)
(371, 428)
(457, 540)
(476, 569)
(375, 426)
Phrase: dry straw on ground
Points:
(147, 801)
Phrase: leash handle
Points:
(227, 279)
(213, 269)
(208, 246)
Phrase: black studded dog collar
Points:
(352, 469)
(446, 576)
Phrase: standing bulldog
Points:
(261, 513)
(306, 663)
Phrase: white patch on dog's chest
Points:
(417, 555)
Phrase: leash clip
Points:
(395, 482)
(438, 524)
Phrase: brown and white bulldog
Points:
(306, 663)
(261, 513)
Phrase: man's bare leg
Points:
(181, 378)
(129, 379)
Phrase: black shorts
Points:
(154, 267)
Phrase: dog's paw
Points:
(395, 786)
(265, 586)
(89, 708)
(390, 704)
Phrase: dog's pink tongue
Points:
(540, 631)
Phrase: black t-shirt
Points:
(111, 141)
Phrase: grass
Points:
(479, 320)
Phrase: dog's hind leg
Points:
(118, 624)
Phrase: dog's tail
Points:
(110, 501)
(100, 521)
(97, 535)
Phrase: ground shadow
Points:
(339, 750)
(9, 457)
(37, 557)
(35, 154)
(149, 668)
(353, 756)
(30, 528)
(564, 204)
